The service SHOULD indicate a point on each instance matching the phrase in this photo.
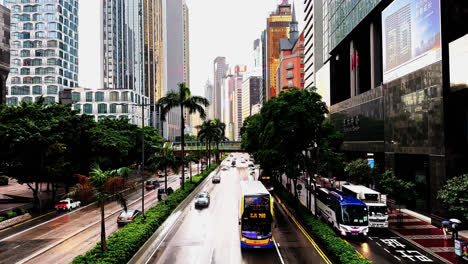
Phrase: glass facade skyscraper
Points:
(44, 49)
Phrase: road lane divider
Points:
(40, 252)
(277, 250)
(306, 234)
(155, 241)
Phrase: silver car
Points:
(202, 200)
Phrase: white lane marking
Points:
(387, 251)
(371, 238)
(378, 243)
(397, 258)
(277, 250)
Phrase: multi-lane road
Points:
(60, 237)
(211, 235)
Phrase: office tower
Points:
(250, 95)
(209, 96)
(220, 67)
(44, 50)
(277, 28)
(4, 51)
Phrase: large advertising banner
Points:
(411, 37)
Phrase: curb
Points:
(149, 248)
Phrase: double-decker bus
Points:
(256, 216)
(347, 214)
(266, 180)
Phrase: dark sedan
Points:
(127, 216)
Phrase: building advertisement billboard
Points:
(411, 37)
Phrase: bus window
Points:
(354, 215)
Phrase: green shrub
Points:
(3, 180)
(335, 247)
(123, 244)
(11, 215)
(2, 218)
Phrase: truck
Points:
(375, 201)
(67, 205)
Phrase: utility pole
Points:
(143, 160)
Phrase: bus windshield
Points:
(378, 211)
(255, 228)
(257, 203)
(354, 215)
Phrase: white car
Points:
(202, 200)
(67, 205)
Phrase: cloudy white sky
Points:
(226, 28)
(217, 28)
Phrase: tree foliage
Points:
(398, 189)
(454, 195)
(360, 172)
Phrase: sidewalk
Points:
(424, 235)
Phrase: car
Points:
(233, 163)
(161, 191)
(251, 165)
(151, 185)
(216, 179)
(126, 217)
(67, 205)
(202, 199)
(160, 175)
(224, 168)
(231, 155)
(186, 178)
(243, 161)
(251, 159)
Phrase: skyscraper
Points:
(277, 28)
(44, 50)
(220, 67)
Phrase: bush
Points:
(11, 215)
(334, 246)
(123, 244)
(2, 218)
(3, 180)
(19, 211)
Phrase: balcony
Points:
(290, 75)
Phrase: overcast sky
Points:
(226, 28)
(217, 28)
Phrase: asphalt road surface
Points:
(59, 238)
(211, 235)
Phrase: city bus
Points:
(256, 216)
(346, 214)
(375, 201)
(266, 180)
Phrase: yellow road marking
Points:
(22, 223)
(325, 258)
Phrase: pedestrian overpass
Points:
(195, 146)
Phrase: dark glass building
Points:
(398, 88)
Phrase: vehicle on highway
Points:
(251, 159)
(224, 168)
(256, 216)
(161, 191)
(186, 178)
(151, 185)
(231, 155)
(202, 200)
(375, 201)
(345, 213)
(233, 163)
(266, 181)
(243, 161)
(216, 179)
(251, 165)
(67, 205)
(126, 217)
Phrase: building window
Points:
(113, 108)
(52, 89)
(77, 107)
(27, 99)
(25, 71)
(102, 109)
(20, 90)
(114, 96)
(49, 100)
(89, 97)
(49, 79)
(76, 97)
(37, 89)
(12, 101)
(124, 96)
(99, 97)
(40, 26)
(87, 108)
(125, 109)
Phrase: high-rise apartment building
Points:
(250, 95)
(4, 51)
(209, 96)
(44, 49)
(237, 101)
(277, 29)
(219, 70)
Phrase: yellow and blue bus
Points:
(256, 216)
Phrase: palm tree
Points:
(164, 159)
(106, 184)
(220, 136)
(184, 100)
(211, 130)
(192, 157)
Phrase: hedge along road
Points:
(211, 235)
(70, 235)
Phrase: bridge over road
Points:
(193, 146)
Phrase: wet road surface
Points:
(59, 238)
(211, 235)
